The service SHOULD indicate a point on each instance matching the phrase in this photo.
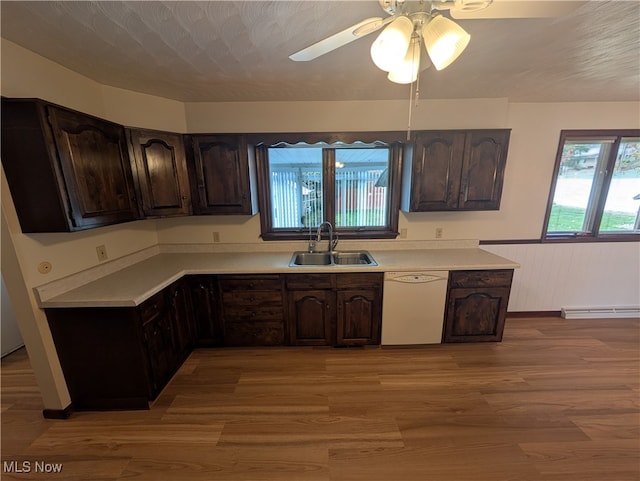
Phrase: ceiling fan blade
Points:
(519, 9)
(339, 39)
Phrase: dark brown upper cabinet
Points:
(454, 170)
(222, 175)
(160, 173)
(67, 171)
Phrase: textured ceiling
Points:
(238, 51)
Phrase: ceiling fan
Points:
(416, 27)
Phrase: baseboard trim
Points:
(594, 312)
(523, 314)
(58, 413)
(12, 350)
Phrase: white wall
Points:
(353, 116)
(534, 138)
(554, 276)
(535, 130)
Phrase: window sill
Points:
(577, 238)
(298, 235)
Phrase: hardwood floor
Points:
(556, 400)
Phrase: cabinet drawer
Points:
(263, 314)
(254, 334)
(252, 306)
(310, 281)
(153, 306)
(251, 299)
(259, 283)
(364, 279)
(488, 278)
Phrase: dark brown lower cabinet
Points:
(183, 323)
(252, 310)
(121, 357)
(358, 317)
(477, 305)
(311, 313)
(204, 299)
(158, 345)
(334, 309)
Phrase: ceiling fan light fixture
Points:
(445, 40)
(407, 70)
(391, 46)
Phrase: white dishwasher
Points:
(413, 306)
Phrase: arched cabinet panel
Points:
(222, 175)
(476, 305)
(160, 169)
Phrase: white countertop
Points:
(134, 284)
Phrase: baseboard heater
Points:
(620, 312)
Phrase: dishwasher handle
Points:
(416, 277)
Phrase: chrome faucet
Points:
(332, 242)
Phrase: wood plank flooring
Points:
(556, 400)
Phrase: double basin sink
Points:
(341, 258)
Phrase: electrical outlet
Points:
(403, 233)
(44, 267)
(102, 253)
(439, 232)
(216, 237)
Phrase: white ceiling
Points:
(238, 51)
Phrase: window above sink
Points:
(354, 184)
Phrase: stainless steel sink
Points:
(311, 259)
(353, 258)
(342, 258)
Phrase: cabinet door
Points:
(184, 332)
(310, 316)
(359, 317)
(221, 174)
(96, 169)
(158, 343)
(483, 169)
(476, 314)
(206, 322)
(160, 173)
(437, 164)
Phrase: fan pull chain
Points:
(410, 112)
(413, 95)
